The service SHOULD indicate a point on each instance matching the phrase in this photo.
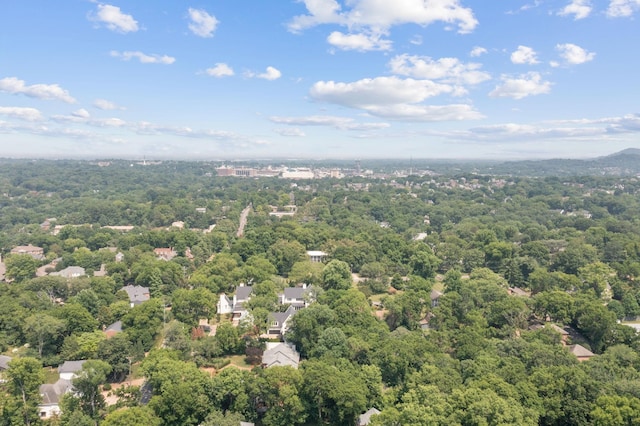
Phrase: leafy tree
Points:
(87, 385)
(188, 306)
(424, 263)
(228, 338)
(335, 391)
(77, 318)
(614, 410)
(143, 322)
(281, 394)
(20, 267)
(232, 390)
(176, 337)
(336, 276)
(307, 325)
(134, 416)
(42, 330)
(116, 351)
(630, 305)
(25, 375)
(306, 272)
(595, 277)
(218, 418)
(559, 306)
(284, 254)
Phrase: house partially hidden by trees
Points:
(33, 251)
(316, 255)
(52, 393)
(137, 294)
(280, 355)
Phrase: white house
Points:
(52, 393)
(316, 255)
(224, 305)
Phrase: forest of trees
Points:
(434, 304)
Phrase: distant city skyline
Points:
(318, 79)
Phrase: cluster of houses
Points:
(295, 298)
(278, 352)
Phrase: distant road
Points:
(243, 220)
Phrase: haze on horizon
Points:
(239, 79)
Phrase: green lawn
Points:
(51, 375)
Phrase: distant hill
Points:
(622, 163)
(626, 152)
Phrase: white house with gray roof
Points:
(52, 393)
(298, 297)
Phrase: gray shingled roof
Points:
(4, 362)
(51, 393)
(281, 355)
(137, 294)
(243, 292)
(116, 326)
(71, 366)
(294, 292)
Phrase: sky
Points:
(259, 79)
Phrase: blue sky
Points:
(233, 79)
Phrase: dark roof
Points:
(294, 292)
(71, 366)
(281, 317)
(4, 362)
(243, 292)
(116, 326)
(137, 294)
(51, 393)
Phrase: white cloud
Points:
(426, 113)
(341, 123)
(16, 86)
(627, 123)
(22, 113)
(271, 74)
(477, 51)
(294, 132)
(81, 113)
(114, 19)
(143, 57)
(580, 9)
(622, 8)
(524, 55)
(523, 132)
(394, 98)
(525, 85)
(416, 40)
(526, 7)
(377, 91)
(573, 54)
(202, 24)
(361, 42)
(448, 70)
(106, 105)
(220, 70)
(379, 15)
